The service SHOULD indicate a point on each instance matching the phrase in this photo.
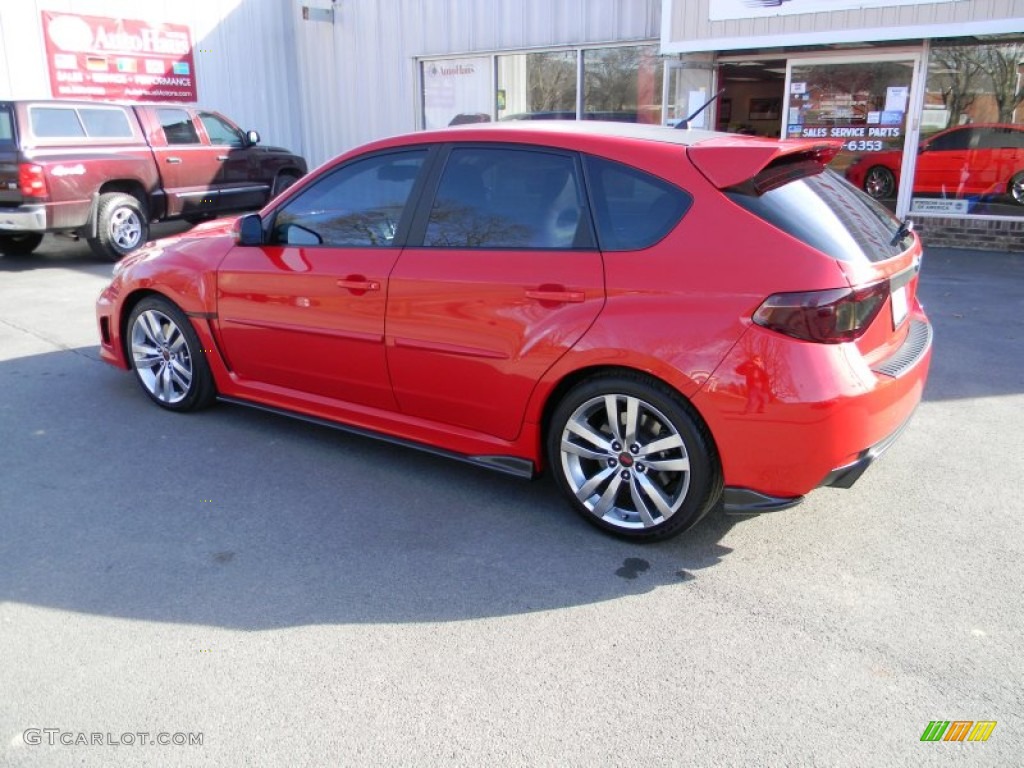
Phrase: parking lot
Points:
(301, 596)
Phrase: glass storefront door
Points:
(868, 103)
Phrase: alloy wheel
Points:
(625, 461)
(162, 358)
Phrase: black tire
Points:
(20, 244)
(164, 352)
(1015, 189)
(284, 180)
(880, 183)
(613, 486)
(122, 226)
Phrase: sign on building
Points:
(94, 57)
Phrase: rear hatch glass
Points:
(820, 208)
(8, 158)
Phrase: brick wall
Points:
(984, 235)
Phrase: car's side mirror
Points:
(252, 137)
(249, 230)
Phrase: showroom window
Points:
(623, 83)
(537, 86)
(971, 157)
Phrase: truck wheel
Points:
(20, 244)
(122, 226)
(282, 182)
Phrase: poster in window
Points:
(457, 91)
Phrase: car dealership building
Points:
(926, 96)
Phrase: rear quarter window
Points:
(633, 209)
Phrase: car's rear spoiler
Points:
(726, 161)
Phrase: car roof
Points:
(598, 128)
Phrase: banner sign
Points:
(722, 10)
(94, 57)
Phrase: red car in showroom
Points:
(976, 160)
(658, 317)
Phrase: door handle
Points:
(556, 295)
(173, 159)
(359, 284)
(222, 158)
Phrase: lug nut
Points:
(612, 462)
(616, 446)
(625, 474)
(634, 448)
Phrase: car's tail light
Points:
(31, 181)
(828, 317)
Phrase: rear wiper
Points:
(906, 227)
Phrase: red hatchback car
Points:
(659, 317)
(976, 160)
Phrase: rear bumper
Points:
(26, 218)
(845, 477)
(789, 416)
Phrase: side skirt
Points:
(508, 465)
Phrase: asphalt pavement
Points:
(259, 591)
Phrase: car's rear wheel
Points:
(21, 244)
(121, 226)
(880, 183)
(1016, 189)
(632, 458)
(164, 352)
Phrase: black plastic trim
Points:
(914, 347)
(507, 465)
(845, 477)
(743, 501)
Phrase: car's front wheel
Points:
(632, 458)
(880, 183)
(165, 353)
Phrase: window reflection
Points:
(359, 205)
(971, 156)
(506, 198)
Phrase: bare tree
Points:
(1002, 65)
(958, 79)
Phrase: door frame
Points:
(917, 55)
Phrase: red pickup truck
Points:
(104, 171)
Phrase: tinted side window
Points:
(359, 205)
(952, 141)
(491, 197)
(1000, 138)
(220, 132)
(55, 122)
(106, 123)
(178, 127)
(634, 210)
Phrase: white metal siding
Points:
(689, 24)
(319, 87)
(359, 80)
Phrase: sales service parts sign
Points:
(92, 57)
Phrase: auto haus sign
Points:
(94, 57)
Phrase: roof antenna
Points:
(686, 123)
